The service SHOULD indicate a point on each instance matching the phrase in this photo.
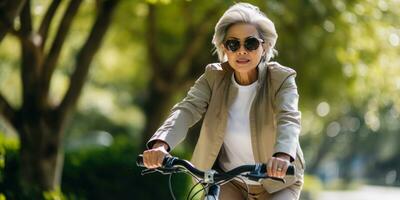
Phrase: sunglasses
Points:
(250, 44)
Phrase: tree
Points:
(9, 10)
(38, 122)
(173, 74)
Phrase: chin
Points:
(243, 68)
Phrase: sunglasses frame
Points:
(245, 44)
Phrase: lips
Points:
(242, 60)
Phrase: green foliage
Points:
(54, 195)
(345, 53)
(100, 173)
(9, 187)
(159, 1)
(311, 188)
(111, 173)
(2, 161)
(7, 145)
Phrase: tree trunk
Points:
(155, 108)
(41, 167)
(39, 124)
(41, 152)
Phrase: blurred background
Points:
(84, 84)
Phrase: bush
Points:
(97, 173)
(111, 173)
(8, 167)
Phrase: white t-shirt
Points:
(237, 141)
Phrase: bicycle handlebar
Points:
(256, 171)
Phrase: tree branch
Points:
(48, 17)
(55, 50)
(152, 53)
(29, 58)
(6, 26)
(85, 57)
(197, 33)
(26, 19)
(9, 10)
(7, 111)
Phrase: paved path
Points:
(364, 193)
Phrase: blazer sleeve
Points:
(288, 117)
(185, 113)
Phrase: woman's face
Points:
(243, 60)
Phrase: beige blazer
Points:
(274, 118)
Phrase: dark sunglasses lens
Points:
(232, 45)
(251, 44)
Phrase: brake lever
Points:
(164, 171)
(172, 170)
(256, 177)
(147, 171)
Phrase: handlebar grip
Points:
(290, 170)
(167, 162)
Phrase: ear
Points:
(222, 46)
(224, 50)
(266, 47)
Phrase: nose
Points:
(242, 50)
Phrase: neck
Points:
(246, 78)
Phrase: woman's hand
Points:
(278, 165)
(153, 158)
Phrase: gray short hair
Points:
(245, 13)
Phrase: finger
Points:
(157, 156)
(269, 168)
(146, 159)
(160, 159)
(152, 159)
(284, 169)
(280, 168)
(275, 167)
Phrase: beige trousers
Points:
(235, 190)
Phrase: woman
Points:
(250, 110)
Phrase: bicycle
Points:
(210, 180)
